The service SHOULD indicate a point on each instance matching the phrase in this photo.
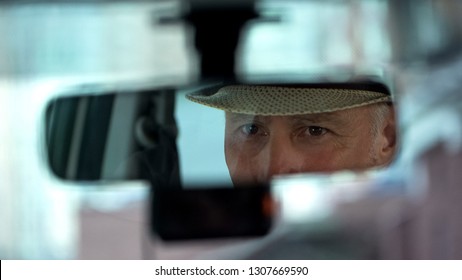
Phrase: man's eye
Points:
(316, 131)
(250, 129)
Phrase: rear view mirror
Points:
(268, 130)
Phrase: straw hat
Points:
(290, 100)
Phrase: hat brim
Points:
(286, 100)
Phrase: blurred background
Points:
(49, 48)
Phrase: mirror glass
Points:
(236, 133)
(113, 136)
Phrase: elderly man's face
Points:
(259, 147)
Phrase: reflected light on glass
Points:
(302, 200)
(306, 198)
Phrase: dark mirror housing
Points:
(211, 213)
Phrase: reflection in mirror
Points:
(283, 129)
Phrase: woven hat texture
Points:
(281, 101)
